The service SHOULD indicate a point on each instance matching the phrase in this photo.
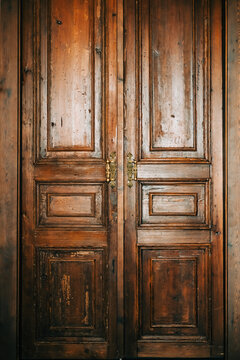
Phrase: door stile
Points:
(217, 177)
(130, 197)
(120, 182)
(112, 146)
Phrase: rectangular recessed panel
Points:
(70, 64)
(174, 285)
(173, 78)
(174, 204)
(62, 205)
(70, 290)
(73, 286)
(172, 75)
(71, 205)
(175, 306)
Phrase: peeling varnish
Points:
(66, 289)
(86, 308)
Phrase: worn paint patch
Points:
(65, 283)
(86, 308)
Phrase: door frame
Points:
(10, 181)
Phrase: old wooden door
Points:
(133, 266)
(173, 213)
(69, 130)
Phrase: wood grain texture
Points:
(69, 213)
(233, 175)
(174, 204)
(69, 97)
(172, 36)
(194, 351)
(111, 89)
(70, 290)
(176, 156)
(9, 149)
(131, 305)
(173, 77)
(67, 205)
(9, 200)
(70, 65)
(217, 177)
(121, 208)
(174, 290)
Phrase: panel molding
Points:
(67, 204)
(50, 124)
(199, 191)
(198, 326)
(152, 54)
(183, 259)
(57, 285)
(165, 195)
(200, 87)
(91, 196)
(44, 124)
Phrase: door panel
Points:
(174, 204)
(173, 79)
(174, 291)
(75, 205)
(70, 289)
(70, 81)
(173, 221)
(68, 232)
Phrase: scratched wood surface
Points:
(233, 175)
(144, 237)
(69, 212)
(8, 177)
(174, 211)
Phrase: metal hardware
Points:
(131, 169)
(134, 170)
(108, 171)
(111, 169)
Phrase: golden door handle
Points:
(111, 169)
(131, 169)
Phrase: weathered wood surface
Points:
(8, 177)
(174, 211)
(233, 178)
(69, 212)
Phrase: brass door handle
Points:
(131, 169)
(111, 170)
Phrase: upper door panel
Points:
(69, 86)
(173, 76)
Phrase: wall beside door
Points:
(233, 175)
(9, 145)
(9, 100)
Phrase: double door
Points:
(122, 179)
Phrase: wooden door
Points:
(68, 226)
(174, 211)
(158, 227)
